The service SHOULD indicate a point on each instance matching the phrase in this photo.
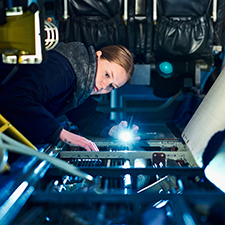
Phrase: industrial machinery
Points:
(159, 179)
(156, 181)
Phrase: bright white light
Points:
(126, 164)
(140, 163)
(160, 204)
(127, 180)
(9, 203)
(214, 171)
(126, 136)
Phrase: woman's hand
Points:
(116, 131)
(77, 140)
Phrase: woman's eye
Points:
(107, 75)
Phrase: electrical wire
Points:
(15, 146)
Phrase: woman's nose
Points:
(105, 84)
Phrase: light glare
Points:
(126, 136)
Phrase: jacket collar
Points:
(83, 62)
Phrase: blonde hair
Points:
(121, 56)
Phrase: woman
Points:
(63, 84)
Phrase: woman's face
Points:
(109, 76)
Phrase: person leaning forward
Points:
(64, 84)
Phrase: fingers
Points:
(77, 140)
(86, 144)
(90, 146)
(123, 124)
(135, 132)
(135, 128)
(116, 131)
(137, 138)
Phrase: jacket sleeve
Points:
(25, 103)
(90, 121)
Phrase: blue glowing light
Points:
(166, 68)
(126, 136)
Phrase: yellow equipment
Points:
(6, 126)
(22, 37)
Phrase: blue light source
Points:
(126, 136)
(165, 69)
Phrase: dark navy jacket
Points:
(38, 94)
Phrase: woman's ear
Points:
(98, 53)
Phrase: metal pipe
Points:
(17, 196)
